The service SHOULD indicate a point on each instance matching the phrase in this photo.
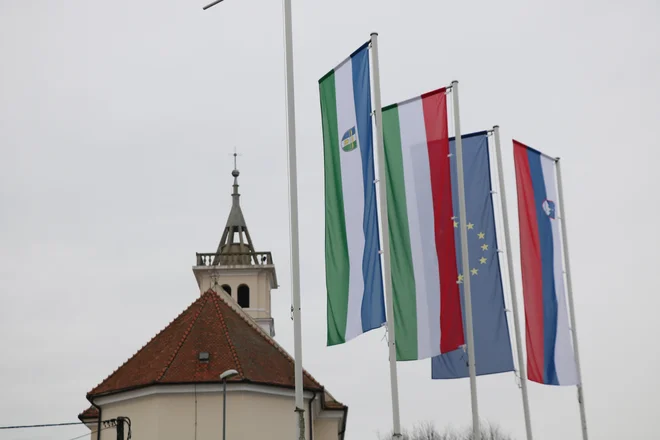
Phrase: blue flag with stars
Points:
(491, 331)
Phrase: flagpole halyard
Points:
(462, 219)
(512, 283)
(571, 306)
(382, 188)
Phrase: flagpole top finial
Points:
(495, 126)
(374, 34)
(454, 82)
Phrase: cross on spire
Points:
(235, 158)
(235, 173)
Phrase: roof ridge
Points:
(214, 296)
(144, 346)
(183, 339)
(248, 319)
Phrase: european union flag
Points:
(491, 331)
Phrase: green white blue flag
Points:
(355, 302)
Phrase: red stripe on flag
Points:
(530, 259)
(437, 136)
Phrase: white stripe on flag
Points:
(564, 354)
(353, 190)
(419, 201)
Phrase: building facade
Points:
(171, 388)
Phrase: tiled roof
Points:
(90, 413)
(211, 324)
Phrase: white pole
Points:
(571, 306)
(512, 282)
(293, 213)
(462, 220)
(293, 216)
(382, 188)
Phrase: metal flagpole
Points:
(293, 212)
(512, 283)
(391, 340)
(462, 219)
(293, 216)
(571, 306)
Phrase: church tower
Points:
(171, 388)
(247, 276)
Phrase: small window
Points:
(227, 289)
(244, 296)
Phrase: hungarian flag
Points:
(425, 275)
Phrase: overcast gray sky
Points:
(117, 120)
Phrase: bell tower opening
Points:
(237, 270)
(243, 296)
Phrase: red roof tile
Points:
(210, 324)
(90, 413)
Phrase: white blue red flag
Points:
(550, 355)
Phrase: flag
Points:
(355, 302)
(550, 356)
(492, 344)
(427, 310)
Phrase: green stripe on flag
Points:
(336, 248)
(403, 279)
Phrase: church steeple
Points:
(236, 269)
(236, 244)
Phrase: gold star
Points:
(455, 224)
(484, 247)
(470, 226)
(460, 279)
(475, 271)
(482, 260)
(481, 235)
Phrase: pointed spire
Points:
(235, 244)
(236, 214)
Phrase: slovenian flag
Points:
(550, 355)
(355, 302)
(425, 275)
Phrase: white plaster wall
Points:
(326, 429)
(250, 415)
(258, 280)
